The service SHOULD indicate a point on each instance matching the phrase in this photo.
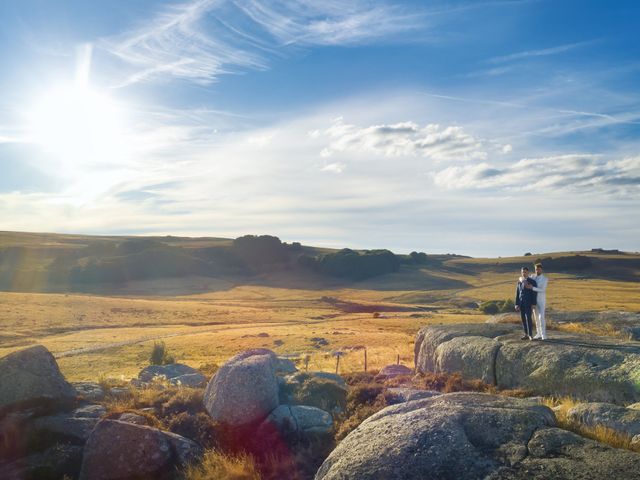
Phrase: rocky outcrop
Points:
(472, 436)
(244, 390)
(583, 366)
(118, 450)
(31, 376)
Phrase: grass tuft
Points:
(221, 466)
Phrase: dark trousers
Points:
(525, 315)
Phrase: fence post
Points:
(337, 363)
(398, 361)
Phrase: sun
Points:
(79, 126)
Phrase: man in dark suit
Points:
(525, 300)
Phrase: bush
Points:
(198, 427)
(159, 355)
(321, 393)
(493, 307)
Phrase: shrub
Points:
(198, 427)
(159, 355)
(321, 393)
(493, 307)
(184, 400)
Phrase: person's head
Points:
(538, 269)
(524, 271)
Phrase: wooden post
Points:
(398, 361)
(337, 363)
(365, 359)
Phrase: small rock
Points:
(400, 395)
(90, 391)
(148, 374)
(299, 419)
(392, 371)
(193, 380)
(134, 418)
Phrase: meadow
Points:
(107, 330)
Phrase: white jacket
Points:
(541, 289)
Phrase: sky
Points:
(483, 128)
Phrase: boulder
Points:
(244, 390)
(298, 419)
(65, 427)
(392, 371)
(167, 372)
(58, 462)
(118, 450)
(625, 421)
(582, 366)
(471, 436)
(31, 376)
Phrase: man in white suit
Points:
(538, 310)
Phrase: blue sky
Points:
(488, 128)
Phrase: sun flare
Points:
(78, 126)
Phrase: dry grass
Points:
(598, 433)
(222, 466)
(590, 328)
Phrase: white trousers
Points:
(538, 315)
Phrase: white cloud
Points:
(554, 174)
(204, 39)
(432, 141)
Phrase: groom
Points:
(525, 301)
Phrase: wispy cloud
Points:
(203, 39)
(562, 173)
(543, 52)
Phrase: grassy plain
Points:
(207, 320)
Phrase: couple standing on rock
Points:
(531, 297)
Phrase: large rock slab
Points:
(244, 390)
(119, 450)
(475, 436)
(582, 366)
(31, 376)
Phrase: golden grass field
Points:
(111, 336)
